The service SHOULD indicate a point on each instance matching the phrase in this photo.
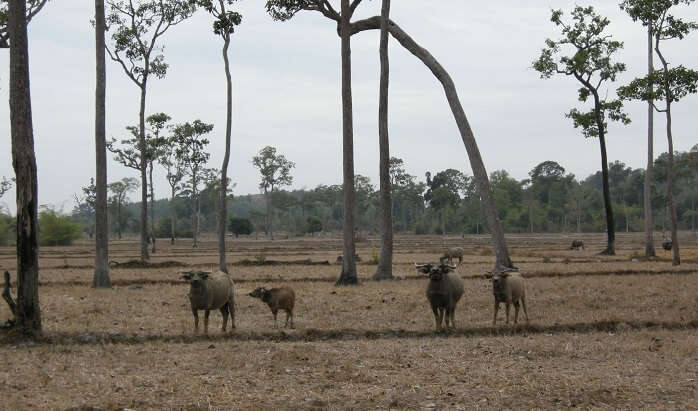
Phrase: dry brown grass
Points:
(605, 332)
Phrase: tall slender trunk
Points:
(647, 195)
(144, 181)
(670, 163)
(118, 219)
(152, 204)
(28, 311)
(100, 278)
(476, 163)
(348, 275)
(610, 222)
(385, 263)
(223, 207)
(173, 217)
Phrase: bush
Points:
(239, 225)
(421, 227)
(163, 228)
(7, 230)
(56, 229)
(313, 225)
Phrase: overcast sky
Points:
(286, 93)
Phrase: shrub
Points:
(163, 228)
(7, 230)
(239, 225)
(313, 225)
(55, 229)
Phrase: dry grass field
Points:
(605, 332)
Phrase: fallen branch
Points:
(7, 296)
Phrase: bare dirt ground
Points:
(605, 332)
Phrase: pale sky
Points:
(287, 93)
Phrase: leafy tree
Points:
(120, 191)
(100, 277)
(33, 7)
(672, 84)
(313, 225)
(443, 194)
(5, 185)
(275, 172)
(238, 225)
(137, 26)
(174, 168)
(190, 151)
(57, 230)
(223, 26)
(589, 62)
(384, 270)
(85, 207)
(27, 310)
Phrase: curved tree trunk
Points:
(101, 273)
(476, 163)
(348, 275)
(676, 260)
(144, 181)
(647, 195)
(385, 263)
(223, 207)
(610, 222)
(24, 163)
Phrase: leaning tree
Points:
(285, 9)
(589, 62)
(137, 26)
(223, 26)
(672, 84)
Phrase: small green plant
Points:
(374, 256)
(261, 257)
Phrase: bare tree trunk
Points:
(101, 273)
(476, 163)
(152, 205)
(348, 275)
(118, 219)
(676, 260)
(24, 163)
(384, 270)
(647, 195)
(144, 181)
(173, 217)
(223, 207)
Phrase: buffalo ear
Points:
(204, 275)
(187, 276)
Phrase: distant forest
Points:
(447, 201)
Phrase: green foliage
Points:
(274, 168)
(313, 225)
(5, 185)
(675, 83)
(8, 229)
(225, 20)
(239, 225)
(589, 60)
(57, 230)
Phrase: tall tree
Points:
(385, 263)
(28, 312)
(174, 168)
(33, 7)
(671, 84)
(138, 25)
(275, 172)
(589, 62)
(284, 10)
(191, 146)
(223, 26)
(502, 261)
(120, 190)
(100, 278)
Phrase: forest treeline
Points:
(446, 201)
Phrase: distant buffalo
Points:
(667, 244)
(577, 244)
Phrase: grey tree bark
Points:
(348, 275)
(144, 163)
(152, 204)
(502, 253)
(384, 270)
(28, 313)
(173, 216)
(223, 207)
(101, 273)
(647, 195)
(610, 221)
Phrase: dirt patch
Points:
(146, 265)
